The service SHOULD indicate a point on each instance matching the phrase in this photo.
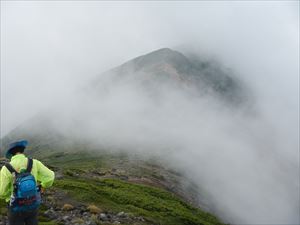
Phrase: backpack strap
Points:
(10, 168)
(29, 165)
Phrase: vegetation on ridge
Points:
(87, 179)
(155, 205)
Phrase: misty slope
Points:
(66, 136)
(166, 66)
(154, 73)
(101, 191)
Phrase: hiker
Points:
(21, 183)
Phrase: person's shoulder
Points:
(4, 171)
(3, 167)
(3, 162)
(36, 160)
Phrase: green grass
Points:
(81, 161)
(154, 204)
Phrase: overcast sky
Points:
(49, 48)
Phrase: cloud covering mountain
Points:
(245, 157)
(192, 115)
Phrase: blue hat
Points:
(22, 143)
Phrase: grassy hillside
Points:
(155, 205)
(114, 183)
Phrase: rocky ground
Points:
(93, 190)
(58, 208)
(64, 210)
(90, 215)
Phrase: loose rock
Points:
(94, 209)
(67, 207)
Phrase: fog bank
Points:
(249, 164)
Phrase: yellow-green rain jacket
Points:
(42, 174)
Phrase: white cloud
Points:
(49, 49)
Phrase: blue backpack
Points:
(26, 194)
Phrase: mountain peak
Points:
(167, 66)
(157, 57)
(162, 50)
(166, 52)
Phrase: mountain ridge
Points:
(77, 159)
(171, 67)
